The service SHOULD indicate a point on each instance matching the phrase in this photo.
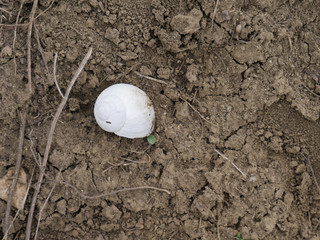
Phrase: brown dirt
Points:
(254, 74)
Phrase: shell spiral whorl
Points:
(125, 110)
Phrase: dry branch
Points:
(49, 142)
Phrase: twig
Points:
(30, 22)
(113, 165)
(24, 200)
(313, 175)
(54, 74)
(41, 51)
(47, 199)
(151, 78)
(222, 155)
(218, 229)
(29, 124)
(313, 93)
(1, 9)
(14, 25)
(14, 39)
(32, 151)
(16, 170)
(224, 65)
(111, 193)
(49, 142)
(44, 11)
(214, 13)
(201, 116)
(34, 8)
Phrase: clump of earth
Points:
(240, 86)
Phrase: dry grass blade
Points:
(214, 13)
(54, 74)
(233, 164)
(49, 142)
(16, 171)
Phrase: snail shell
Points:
(125, 110)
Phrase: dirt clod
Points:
(244, 81)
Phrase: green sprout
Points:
(151, 139)
(238, 237)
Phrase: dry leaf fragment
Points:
(20, 191)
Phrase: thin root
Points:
(151, 78)
(194, 109)
(233, 164)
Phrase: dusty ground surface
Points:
(252, 73)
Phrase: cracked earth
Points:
(246, 84)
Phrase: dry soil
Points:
(246, 83)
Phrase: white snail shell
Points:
(125, 110)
